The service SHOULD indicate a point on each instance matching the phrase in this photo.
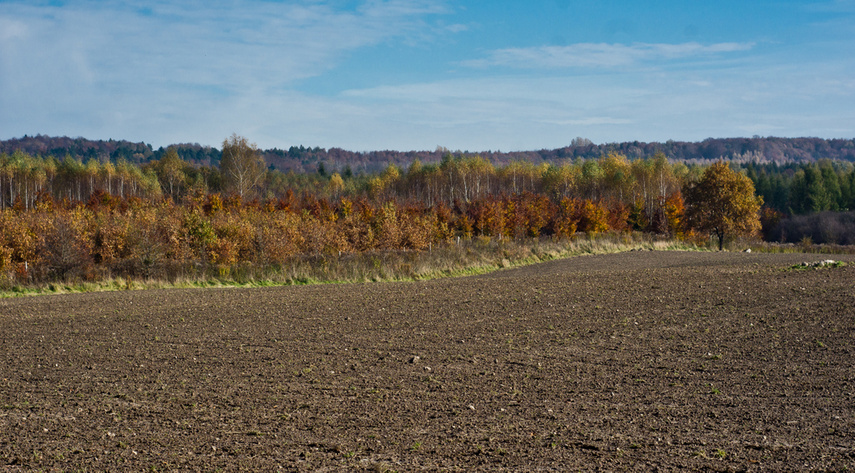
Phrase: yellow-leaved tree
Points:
(722, 203)
(335, 186)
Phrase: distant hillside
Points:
(303, 159)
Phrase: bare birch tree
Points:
(242, 166)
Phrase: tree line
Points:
(111, 236)
(642, 187)
(306, 159)
(799, 189)
(788, 189)
(69, 218)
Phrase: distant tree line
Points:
(302, 159)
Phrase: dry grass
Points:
(466, 257)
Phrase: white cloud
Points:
(591, 121)
(516, 112)
(595, 55)
(111, 69)
(11, 30)
(200, 70)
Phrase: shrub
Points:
(566, 219)
(280, 237)
(593, 218)
(387, 228)
(66, 250)
(821, 228)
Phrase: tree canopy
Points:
(722, 203)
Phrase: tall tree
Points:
(336, 185)
(831, 182)
(722, 203)
(91, 172)
(242, 166)
(170, 172)
(617, 177)
(108, 171)
(849, 189)
(817, 198)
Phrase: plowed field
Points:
(638, 361)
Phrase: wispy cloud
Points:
(598, 55)
(198, 70)
(524, 111)
(98, 66)
(592, 121)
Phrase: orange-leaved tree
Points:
(722, 203)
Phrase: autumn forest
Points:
(67, 218)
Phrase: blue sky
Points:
(417, 74)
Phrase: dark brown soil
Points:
(638, 361)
